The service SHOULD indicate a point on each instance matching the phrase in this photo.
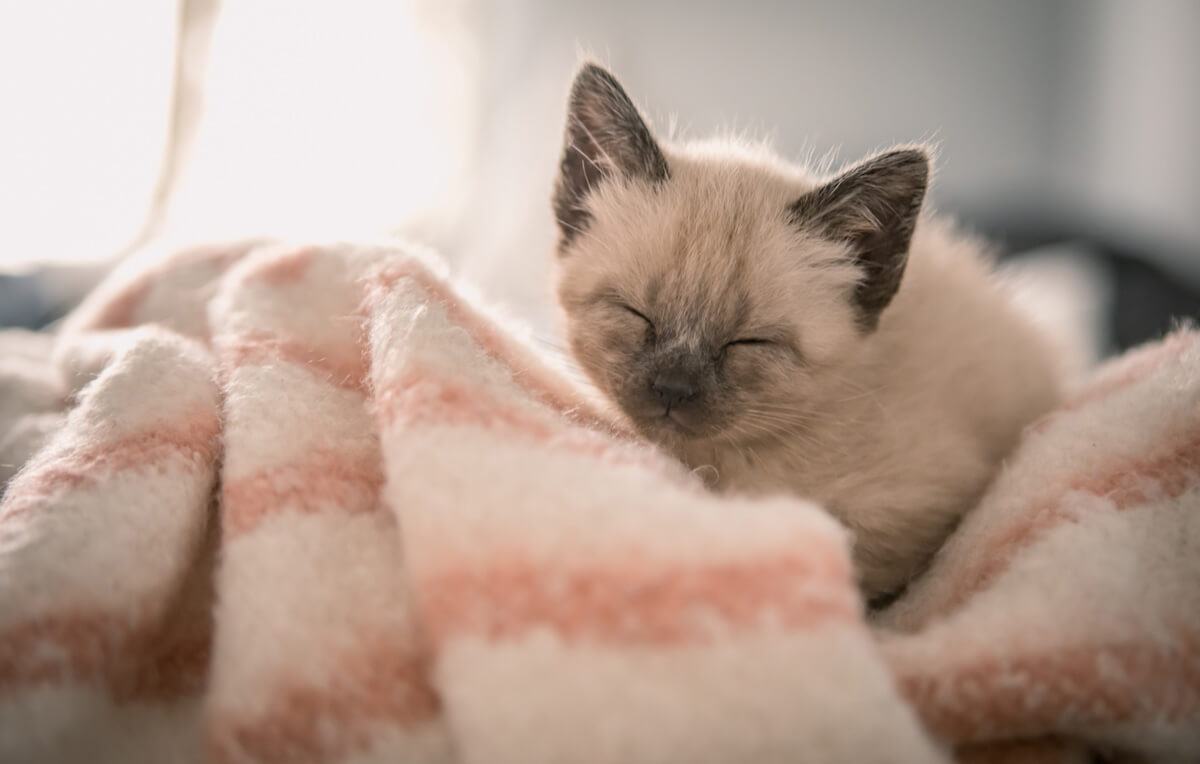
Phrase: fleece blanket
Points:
(316, 503)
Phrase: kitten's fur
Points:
(790, 333)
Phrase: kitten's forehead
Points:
(711, 252)
(698, 295)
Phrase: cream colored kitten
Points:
(792, 333)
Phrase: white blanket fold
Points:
(310, 503)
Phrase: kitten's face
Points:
(710, 295)
(688, 306)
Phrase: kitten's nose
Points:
(673, 388)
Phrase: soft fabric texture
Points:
(313, 503)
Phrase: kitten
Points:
(785, 333)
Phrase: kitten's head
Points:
(706, 289)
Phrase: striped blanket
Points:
(314, 504)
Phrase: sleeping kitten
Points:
(782, 332)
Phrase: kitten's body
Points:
(753, 321)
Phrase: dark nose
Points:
(673, 388)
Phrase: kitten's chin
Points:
(670, 429)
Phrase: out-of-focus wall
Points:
(1086, 107)
(1126, 135)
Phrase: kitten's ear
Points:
(605, 137)
(873, 207)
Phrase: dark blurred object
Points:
(1148, 298)
(1148, 301)
(39, 297)
(22, 304)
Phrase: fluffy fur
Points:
(783, 332)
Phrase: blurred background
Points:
(1068, 130)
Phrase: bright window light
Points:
(325, 119)
(85, 90)
(317, 119)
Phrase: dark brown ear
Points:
(872, 207)
(605, 138)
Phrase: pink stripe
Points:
(1059, 687)
(195, 435)
(153, 651)
(381, 687)
(347, 370)
(322, 481)
(1127, 483)
(134, 664)
(640, 600)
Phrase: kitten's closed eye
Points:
(747, 342)
(637, 313)
(750, 341)
(778, 343)
(651, 330)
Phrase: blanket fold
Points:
(312, 503)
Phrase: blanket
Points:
(318, 503)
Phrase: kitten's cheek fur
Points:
(604, 364)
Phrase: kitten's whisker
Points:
(779, 417)
(575, 228)
(754, 423)
(552, 344)
(782, 411)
